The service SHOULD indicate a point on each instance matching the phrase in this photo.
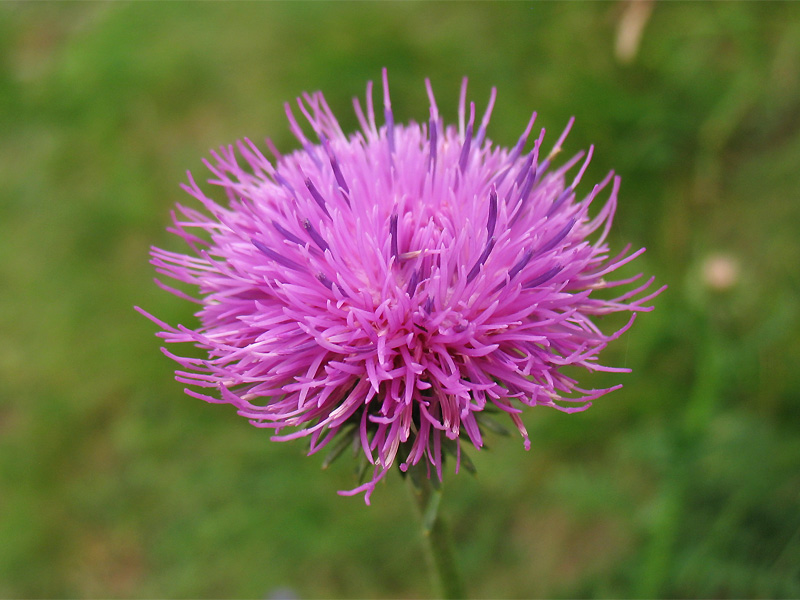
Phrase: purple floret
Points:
(396, 283)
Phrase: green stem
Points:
(435, 533)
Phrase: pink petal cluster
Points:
(397, 281)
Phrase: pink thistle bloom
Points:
(395, 283)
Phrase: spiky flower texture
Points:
(395, 284)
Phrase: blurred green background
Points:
(685, 483)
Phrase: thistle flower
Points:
(395, 284)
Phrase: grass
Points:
(115, 484)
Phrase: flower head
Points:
(396, 283)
